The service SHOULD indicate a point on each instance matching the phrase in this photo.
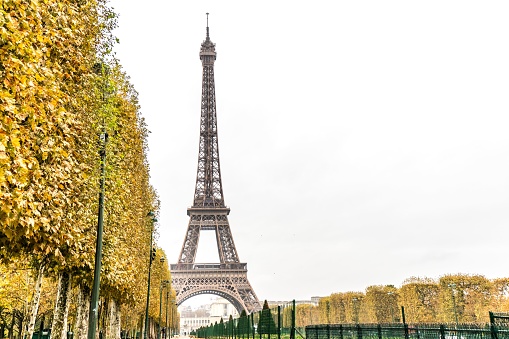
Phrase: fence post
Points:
(405, 326)
(260, 313)
(340, 331)
(252, 322)
(328, 331)
(278, 322)
(292, 330)
(359, 332)
(493, 329)
(41, 329)
(442, 331)
(379, 328)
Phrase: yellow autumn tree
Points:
(381, 303)
(419, 296)
(55, 102)
(464, 298)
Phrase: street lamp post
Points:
(391, 305)
(153, 220)
(173, 319)
(327, 309)
(94, 301)
(452, 286)
(166, 322)
(355, 309)
(164, 284)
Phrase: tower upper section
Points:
(208, 50)
(209, 190)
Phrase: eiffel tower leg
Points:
(188, 252)
(225, 244)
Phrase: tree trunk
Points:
(10, 332)
(59, 324)
(152, 328)
(81, 325)
(20, 325)
(102, 313)
(113, 320)
(34, 308)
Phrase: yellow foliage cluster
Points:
(460, 297)
(59, 89)
(46, 51)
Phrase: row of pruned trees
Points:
(262, 322)
(60, 89)
(16, 301)
(452, 298)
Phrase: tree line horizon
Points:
(452, 298)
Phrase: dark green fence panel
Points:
(401, 331)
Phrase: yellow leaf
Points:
(4, 158)
(15, 141)
(9, 103)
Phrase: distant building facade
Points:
(313, 301)
(191, 320)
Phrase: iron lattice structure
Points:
(228, 278)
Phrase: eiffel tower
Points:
(228, 278)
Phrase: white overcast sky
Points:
(361, 142)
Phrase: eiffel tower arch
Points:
(228, 278)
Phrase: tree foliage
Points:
(266, 323)
(60, 88)
(243, 325)
(468, 298)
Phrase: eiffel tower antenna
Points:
(228, 278)
(208, 37)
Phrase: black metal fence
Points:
(272, 323)
(280, 323)
(406, 331)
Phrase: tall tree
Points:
(243, 325)
(266, 323)
(380, 303)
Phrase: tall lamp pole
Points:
(94, 301)
(163, 285)
(355, 309)
(166, 322)
(390, 294)
(453, 292)
(173, 319)
(153, 220)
